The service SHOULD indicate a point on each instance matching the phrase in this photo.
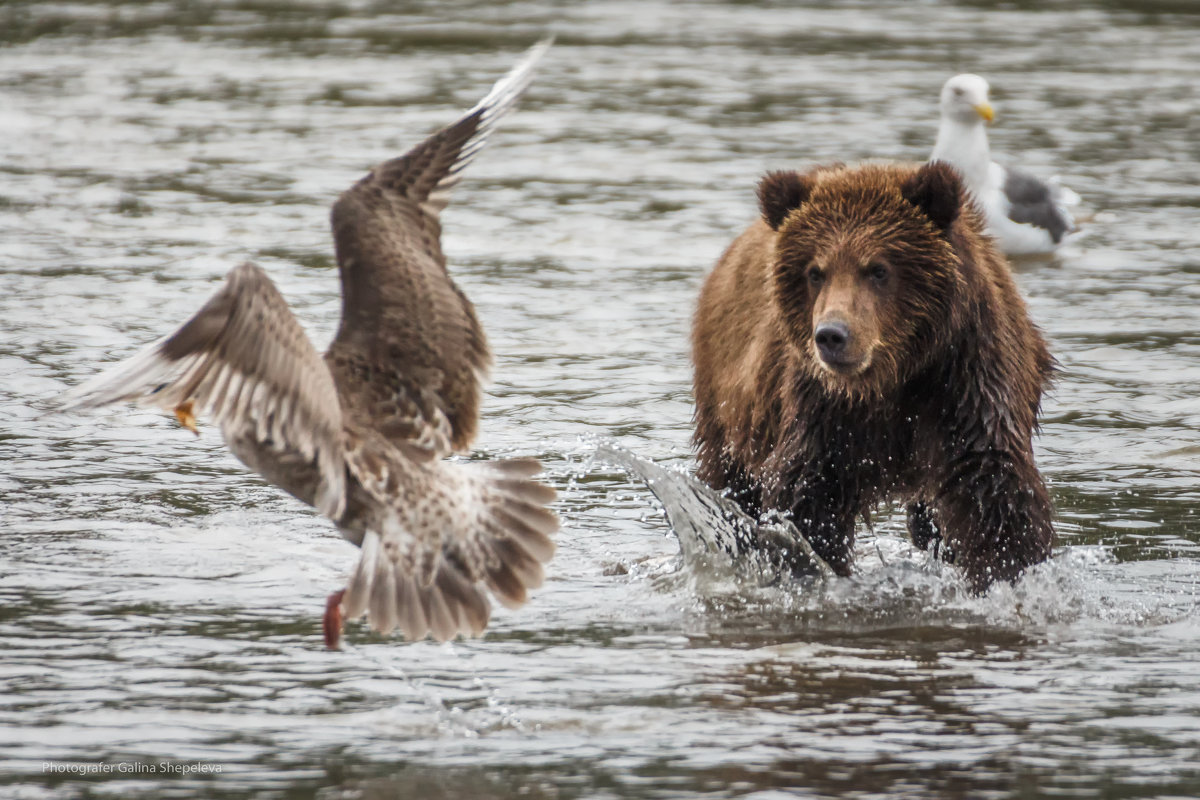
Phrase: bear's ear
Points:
(937, 191)
(780, 193)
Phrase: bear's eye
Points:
(815, 277)
(878, 273)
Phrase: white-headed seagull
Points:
(1024, 214)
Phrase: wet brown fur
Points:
(938, 401)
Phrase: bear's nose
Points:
(831, 339)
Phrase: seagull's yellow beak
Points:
(186, 416)
(985, 110)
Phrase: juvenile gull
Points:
(1024, 214)
(361, 433)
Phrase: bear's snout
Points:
(832, 339)
(843, 344)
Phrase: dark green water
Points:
(159, 609)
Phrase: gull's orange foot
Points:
(333, 620)
(184, 412)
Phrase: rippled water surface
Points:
(159, 608)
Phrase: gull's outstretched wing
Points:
(410, 356)
(244, 359)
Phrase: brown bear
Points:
(863, 342)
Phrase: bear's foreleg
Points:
(996, 516)
(825, 517)
(924, 531)
(740, 487)
(921, 527)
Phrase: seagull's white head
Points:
(965, 99)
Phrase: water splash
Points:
(743, 571)
(715, 535)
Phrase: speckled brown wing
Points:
(244, 359)
(410, 355)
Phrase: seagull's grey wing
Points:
(442, 535)
(244, 359)
(1033, 202)
(410, 356)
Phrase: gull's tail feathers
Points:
(494, 537)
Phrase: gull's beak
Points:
(985, 110)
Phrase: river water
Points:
(159, 608)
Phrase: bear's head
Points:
(865, 269)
